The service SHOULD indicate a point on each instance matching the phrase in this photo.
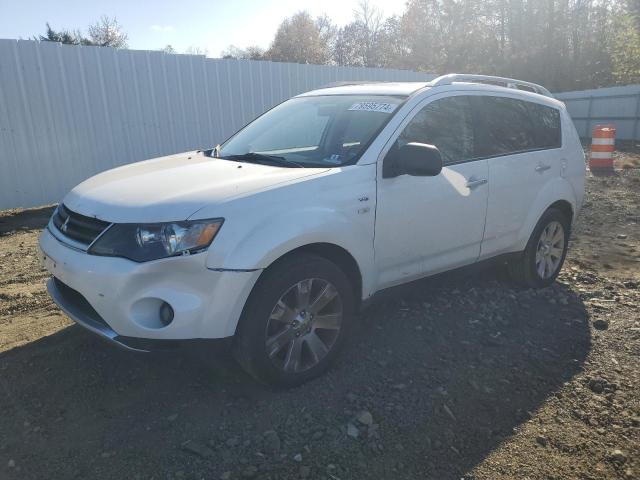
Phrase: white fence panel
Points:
(69, 112)
(619, 106)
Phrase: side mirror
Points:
(415, 159)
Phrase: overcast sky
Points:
(212, 24)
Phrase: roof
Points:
(381, 88)
(472, 82)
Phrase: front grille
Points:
(78, 227)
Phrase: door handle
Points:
(541, 168)
(473, 183)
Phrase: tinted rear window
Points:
(509, 126)
(546, 121)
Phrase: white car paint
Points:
(207, 303)
(435, 243)
(173, 187)
(523, 186)
(270, 211)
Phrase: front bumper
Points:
(79, 310)
(123, 297)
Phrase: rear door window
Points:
(506, 126)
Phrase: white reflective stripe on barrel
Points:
(601, 154)
(603, 141)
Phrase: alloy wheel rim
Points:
(550, 250)
(304, 325)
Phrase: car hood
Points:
(174, 187)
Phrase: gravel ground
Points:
(461, 376)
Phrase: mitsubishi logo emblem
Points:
(63, 227)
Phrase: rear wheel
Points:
(295, 320)
(540, 263)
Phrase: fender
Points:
(336, 208)
(555, 190)
(316, 226)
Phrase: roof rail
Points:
(349, 83)
(491, 80)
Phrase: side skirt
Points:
(395, 291)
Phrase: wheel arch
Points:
(335, 254)
(556, 194)
(565, 207)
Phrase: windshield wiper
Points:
(262, 158)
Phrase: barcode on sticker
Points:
(373, 107)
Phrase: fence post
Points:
(635, 124)
(588, 125)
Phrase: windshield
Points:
(322, 131)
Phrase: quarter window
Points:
(447, 124)
(508, 125)
(546, 121)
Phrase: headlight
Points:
(151, 241)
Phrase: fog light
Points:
(166, 313)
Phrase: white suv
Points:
(277, 236)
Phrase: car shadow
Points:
(25, 220)
(447, 367)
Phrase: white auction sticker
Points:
(373, 107)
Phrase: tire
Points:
(277, 338)
(537, 266)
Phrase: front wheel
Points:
(540, 263)
(295, 320)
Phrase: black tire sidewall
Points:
(551, 215)
(274, 282)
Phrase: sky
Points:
(207, 24)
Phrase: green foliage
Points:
(626, 51)
(562, 44)
(106, 32)
(249, 53)
(298, 39)
(63, 36)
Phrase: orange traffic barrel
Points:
(603, 143)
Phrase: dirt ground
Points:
(463, 376)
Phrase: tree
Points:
(63, 36)
(357, 43)
(195, 50)
(626, 51)
(392, 46)
(249, 53)
(327, 32)
(633, 9)
(369, 20)
(106, 32)
(168, 49)
(253, 52)
(348, 48)
(562, 44)
(450, 35)
(298, 39)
